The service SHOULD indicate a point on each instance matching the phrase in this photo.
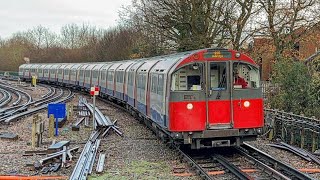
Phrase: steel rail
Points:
(10, 88)
(27, 95)
(101, 119)
(6, 98)
(51, 99)
(50, 89)
(272, 171)
(202, 173)
(52, 93)
(19, 98)
(232, 168)
(2, 91)
(287, 169)
(86, 159)
(34, 110)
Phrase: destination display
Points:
(217, 54)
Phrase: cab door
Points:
(219, 106)
(247, 98)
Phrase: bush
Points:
(299, 90)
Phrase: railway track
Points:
(6, 97)
(18, 93)
(15, 112)
(245, 162)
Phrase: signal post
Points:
(94, 91)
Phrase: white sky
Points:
(21, 15)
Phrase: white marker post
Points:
(94, 91)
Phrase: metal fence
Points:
(293, 129)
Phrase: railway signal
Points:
(94, 91)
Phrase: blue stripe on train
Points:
(72, 82)
(142, 108)
(110, 92)
(87, 85)
(131, 101)
(119, 95)
(158, 118)
(103, 90)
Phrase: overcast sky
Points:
(21, 15)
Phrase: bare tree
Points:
(185, 23)
(236, 18)
(286, 21)
(69, 36)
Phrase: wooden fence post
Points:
(51, 126)
(302, 138)
(33, 132)
(315, 136)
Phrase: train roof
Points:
(98, 66)
(90, 67)
(114, 66)
(106, 66)
(68, 66)
(125, 65)
(164, 63)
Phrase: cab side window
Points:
(188, 78)
(245, 76)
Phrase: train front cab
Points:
(209, 107)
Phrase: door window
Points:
(218, 77)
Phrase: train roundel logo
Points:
(246, 104)
(189, 106)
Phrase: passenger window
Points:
(218, 77)
(87, 73)
(141, 81)
(245, 76)
(110, 76)
(154, 83)
(160, 84)
(102, 76)
(121, 76)
(188, 78)
(130, 78)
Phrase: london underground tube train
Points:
(202, 98)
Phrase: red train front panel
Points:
(205, 93)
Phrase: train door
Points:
(246, 94)
(219, 107)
